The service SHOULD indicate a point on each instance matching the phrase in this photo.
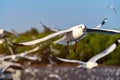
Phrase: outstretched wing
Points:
(100, 30)
(30, 57)
(71, 61)
(102, 23)
(29, 51)
(11, 32)
(11, 65)
(105, 52)
(48, 28)
(43, 39)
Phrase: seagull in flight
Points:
(21, 55)
(4, 65)
(111, 7)
(71, 34)
(92, 62)
(4, 33)
(74, 33)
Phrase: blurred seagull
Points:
(73, 34)
(6, 65)
(4, 33)
(21, 55)
(92, 62)
(111, 7)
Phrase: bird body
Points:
(90, 65)
(75, 34)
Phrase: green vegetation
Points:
(89, 46)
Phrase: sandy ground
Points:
(63, 72)
(70, 72)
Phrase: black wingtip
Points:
(117, 41)
(17, 44)
(104, 21)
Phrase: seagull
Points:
(92, 62)
(73, 34)
(111, 7)
(4, 33)
(21, 55)
(4, 65)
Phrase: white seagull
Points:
(92, 62)
(24, 55)
(4, 65)
(111, 7)
(69, 35)
(4, 33)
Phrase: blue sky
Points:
(22, 15)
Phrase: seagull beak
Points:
(84, 29)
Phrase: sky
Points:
(22, 15)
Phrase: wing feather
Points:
(33, 42)
(103, 53)
(99, 30)
(72, 61)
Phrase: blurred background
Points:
(24, 16)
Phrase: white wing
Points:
(29, 51)
(10, 65)
(103, 53)
(5, 68)
(102, 23)
(6, 57)
(44, 38)
(19, 54)
(99, 30)
(72, 61)
(30, 57)
(48, 28)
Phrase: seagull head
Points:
(83, 27)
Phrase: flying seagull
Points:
(4, 65)
(111, 7)
(74, 33)
(24, 55)
(4, 33)
(92, 62)
(71, 34)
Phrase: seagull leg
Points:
(75, 46)
(66, 47)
